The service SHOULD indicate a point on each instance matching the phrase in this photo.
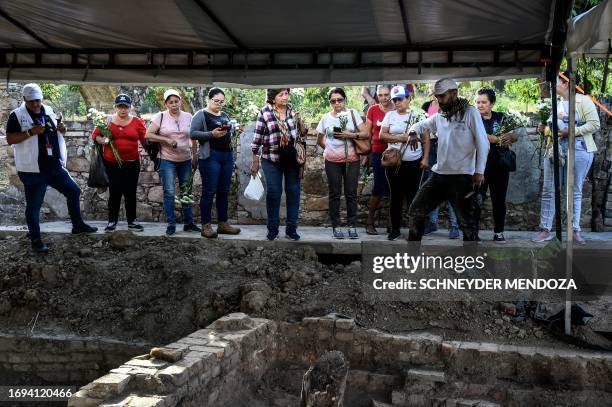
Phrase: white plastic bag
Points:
(255, 189)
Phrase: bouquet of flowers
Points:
(186, 196)
(343, 119)
(544, 109)
(101, 122)
(511, 121)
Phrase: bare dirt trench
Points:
(158, 290)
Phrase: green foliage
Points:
(244, 104)
(310, 102)
(525, 91)
(591, 73)
(64, 99)
(153, 99)
(581, 6)
(51, 92)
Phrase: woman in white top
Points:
(170, 128)
(404, 180)
(336, 132)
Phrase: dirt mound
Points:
(160, 289)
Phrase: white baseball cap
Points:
(444, 85)
(171, 92)
(398, 92)
(32, 91)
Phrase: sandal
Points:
(371, 229)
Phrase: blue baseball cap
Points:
(123, 99)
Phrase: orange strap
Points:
(579, 89)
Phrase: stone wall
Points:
(222, 364)
(60, 360)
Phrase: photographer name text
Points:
(475, 284)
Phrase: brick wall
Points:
(60, 360)
(219, 365)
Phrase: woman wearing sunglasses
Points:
(403, 181)
(211, 127)
(336, 130)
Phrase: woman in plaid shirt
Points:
(274, 140)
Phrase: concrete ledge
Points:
(319, 238)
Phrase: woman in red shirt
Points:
(374, 119)
(127, 131)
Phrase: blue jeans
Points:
(35, 185)
(582, 165)
(274, 174)
(381, 186)
(216, 172)
(167, 170)
(433, 215)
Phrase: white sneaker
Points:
(542, 236)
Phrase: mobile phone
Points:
(225, 127)
(337, 129)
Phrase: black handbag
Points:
(98, 178)
(506, 159)
(153, 149)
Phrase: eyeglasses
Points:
(395, 100)
(219, 102)
(334, 101)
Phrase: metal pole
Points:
(555, 131)
(569, 252)
(605, 73)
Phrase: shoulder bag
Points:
(392, 156)
(362, 146)
(152, 147)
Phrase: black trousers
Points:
(122, 183)
(437, 189)
(403, 184)
(496, 181)
(341, 175)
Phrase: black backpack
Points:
(153, 149)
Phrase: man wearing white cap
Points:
(40, 158)
(462, 156)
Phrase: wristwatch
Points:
(29, 133)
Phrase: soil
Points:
(160, 289)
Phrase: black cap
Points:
(123, 99)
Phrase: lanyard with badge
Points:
(48, 145)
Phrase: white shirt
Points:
(335, 147)
(399, 124)
(463, 145)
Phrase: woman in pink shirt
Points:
(336, 132)
(170, 128)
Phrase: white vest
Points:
(26, 152)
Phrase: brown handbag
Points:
(392, 157)
(362, 146)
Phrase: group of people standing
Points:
(449, 153)
(187, 143)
